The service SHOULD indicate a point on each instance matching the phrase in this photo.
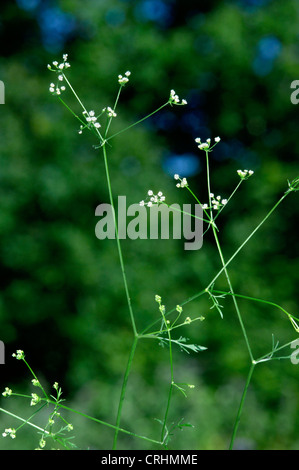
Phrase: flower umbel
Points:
(174, 99)
(183, 182)
(58, 69)
(207, 144)
(153, 199)
(9, 432)
(19, 354)
(123, 80)
(245, 174)
(7, 392)
(35, 399)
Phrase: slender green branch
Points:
(123, 390)
(138, 122)
(247, 240)
(225, 270)
(118, 242)
(291, 317)
(237, 421)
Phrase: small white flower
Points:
(123, 80)
(7, 392)
(9, 432)
(35, 399)
(174, 99)
(245, 174)
(203, 146)
(217, 139)
(111, 112)
(183, 182)
(19, 354)
(150, 192)
(176, 176)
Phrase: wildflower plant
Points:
(165, 330)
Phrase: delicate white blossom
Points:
(7, 392)
(9, 432)
(207, 144)
(183, 181)
(153, 199)
(19, 354)
(123, 80)
(58, 68)
(34, 399)
(110, 112)
(91, 120)
(174, 99)
(245, 174)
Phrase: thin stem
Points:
(237, 421)
(138, 122)
(118, 243)
(225, 270)
(291, 317)
(171, 377)
(25, 421)
(247, 240)
(114, 107)
(123, 390)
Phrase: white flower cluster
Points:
(19, 354)
(216, 202)
(58, 68)
(123, 80)
(174, 99)
(110, 112)
(91, 120)
(245, 174)
(9, 432)
(34, 399)
(183, 182)
(153, 199)
(207, 144)
(7, 392)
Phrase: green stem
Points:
(118, 243)
(237, 421)
(247, 240)
(171, 379)
(138, 122)
(224, 267)
(123, 390)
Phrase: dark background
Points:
(62, 298)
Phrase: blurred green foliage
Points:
(62, 298)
